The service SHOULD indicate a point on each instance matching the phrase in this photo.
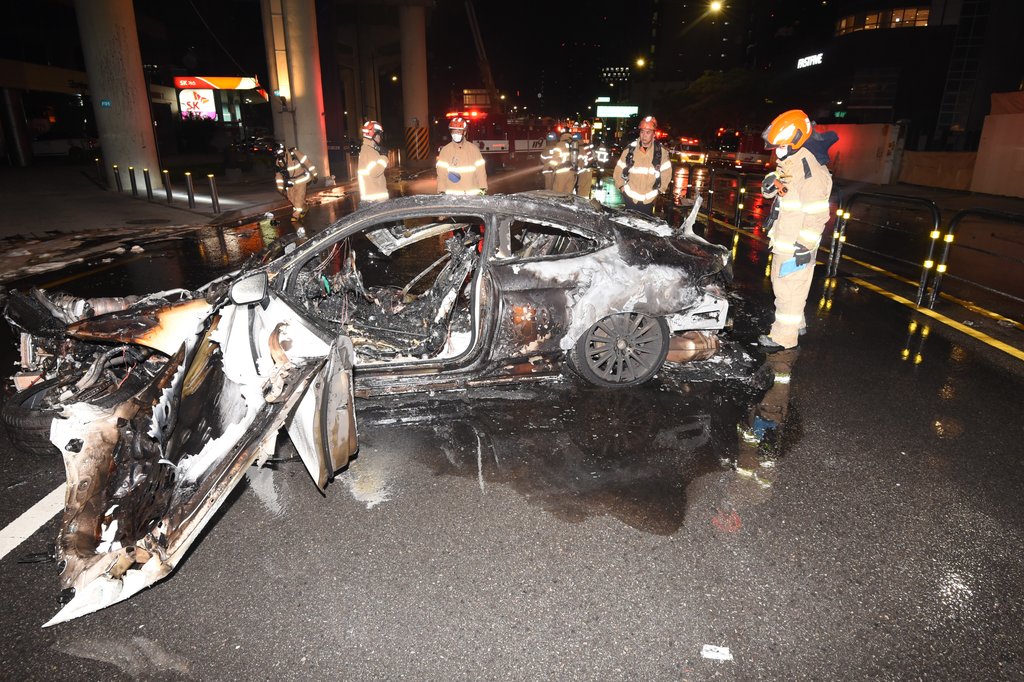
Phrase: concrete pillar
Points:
(273, 43)
(414, 84)
(117, 86)
(15, 131)
(297, 70)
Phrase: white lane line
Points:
(24, 526)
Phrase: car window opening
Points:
(400, 290)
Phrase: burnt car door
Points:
(145, 476)
(407, 288)
(535, 305)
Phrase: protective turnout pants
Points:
(297, 198)
(800, 224)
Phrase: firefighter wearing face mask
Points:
(561, 163)
(292, 173)
(460, 166)
(800, 185)
(644, 170)
(373, 184)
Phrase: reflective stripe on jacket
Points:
(643, 173)
(460, 169)
(373, 185)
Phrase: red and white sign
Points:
(197, 103)
(216, 82)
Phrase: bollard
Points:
(167, 184)
(131, 181)
(190, 190)
(740, 194)
(117, 179)
(711, 196)
(149, 184)
(213, 193)
(99, 172)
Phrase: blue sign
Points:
(105, 103)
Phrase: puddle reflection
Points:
(580, 452)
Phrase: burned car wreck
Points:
(158, 404)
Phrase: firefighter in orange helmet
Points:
(373, 185)
(800, 185)
(644, 170)
(460, 166)
(292, 173)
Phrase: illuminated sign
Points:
(602, 100)
(617, 110)
(197, 103)
(215, 83)
(808, 61)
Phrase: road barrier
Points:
(190, 190)
(843, 220)
(954, 223)
(149, 184)
(131, 181)
(213, 192)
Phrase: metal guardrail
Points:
(843, 219)
(954, 223)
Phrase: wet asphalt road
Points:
(553, 531)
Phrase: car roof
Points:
(540, 204)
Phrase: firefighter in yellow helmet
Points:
(644, 170)
(800, 185)
(293, 172)
(373, 184)
(460, 166)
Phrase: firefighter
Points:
(562, 164)
(800, 185)
(644, 170)
(373, 185)
(547, 154)
(460, 166)
(292, 173)
(585, 169)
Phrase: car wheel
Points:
(625, 349)
(27, 416)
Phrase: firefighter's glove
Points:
(314, 179)
(802, 255)
(771, 185)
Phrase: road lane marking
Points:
(939, 317)
(28, 523)
(974, 333)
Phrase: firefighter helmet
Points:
(372, 128)
(789, 129)
(458, 124)
(649, 123)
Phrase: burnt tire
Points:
(621, 350)
(27, 418)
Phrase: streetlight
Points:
(716, 6)
(640, 62)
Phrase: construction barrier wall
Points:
(866, 153)
(948, 170)
(1000, 165)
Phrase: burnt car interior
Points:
(526, 239)
(403, 289)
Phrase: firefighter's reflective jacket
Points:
(803, 203)
(642, 173)
(460, 169)
(296, 170)
(561, 164)
(373, 185)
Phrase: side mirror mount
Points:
(249, 289)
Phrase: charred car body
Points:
(159, 404)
